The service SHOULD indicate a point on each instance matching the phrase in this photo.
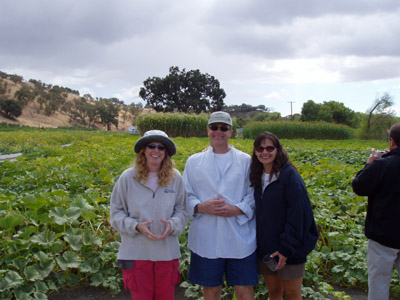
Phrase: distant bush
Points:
(12, 127)
(174, 124)
(299, 130)
(73, 128)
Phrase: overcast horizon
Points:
(272, 53)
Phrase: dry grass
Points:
(33, 117)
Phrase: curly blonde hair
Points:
(165, 175)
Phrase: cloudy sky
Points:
(276, 53)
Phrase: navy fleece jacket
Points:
(284, 218)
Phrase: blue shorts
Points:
(210, 272)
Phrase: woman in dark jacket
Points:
(286, 230)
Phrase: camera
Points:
(271, 262)
(380, 153)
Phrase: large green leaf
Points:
(4, 285)
(35, 202)
(22, 295)
(45, 268)
(41, 256)
(25, 232)
(45, 238)
(90, 239)
(74, 240)
(11, 221)
(41, 287)
(32, 273)
(13, 279)
(91, 265)
(83, 204)
(96, 280)
(68, 260)
(62, 216)
(40, 296)
(19, 262)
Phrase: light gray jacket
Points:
(133, 202)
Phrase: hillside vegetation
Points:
(37, 104)
(46, 106)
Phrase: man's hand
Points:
(229, 210)
(211, 206)
(218, 207)
(374, 155)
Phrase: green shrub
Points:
(176, 124)
(299, 130)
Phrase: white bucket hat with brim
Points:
(155, 136)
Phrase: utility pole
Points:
(291, 109)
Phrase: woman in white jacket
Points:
(149, 210)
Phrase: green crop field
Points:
(54, 211)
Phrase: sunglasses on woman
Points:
(215, 128)
(261, 149)
(159, 147)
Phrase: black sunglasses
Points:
(261, 149)
(215, 128)
(159, 147)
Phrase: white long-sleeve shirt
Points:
(213, 236)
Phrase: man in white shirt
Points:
(222, 235)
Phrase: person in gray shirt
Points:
(149, 209)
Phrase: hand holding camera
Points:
(271, 262)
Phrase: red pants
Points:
(152, 280)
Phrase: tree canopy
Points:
(10, 108)
(378, 118)
(184, 91)
(329, 111)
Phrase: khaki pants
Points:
(380, 269)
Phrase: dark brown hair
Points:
(257, 168)
(395, 133)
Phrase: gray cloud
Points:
(95, 44)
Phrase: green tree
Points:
(3, 87)
(108, 111)
(10, 108)
(25, 95)
(336, 112)
(310, 111)
(329, 111)
(183, 91)
(380, 107)
(3, 75)
(268, 116)
(135, 109)
(88, 96)
(15, 78)
(77, 110)
(378, 118)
